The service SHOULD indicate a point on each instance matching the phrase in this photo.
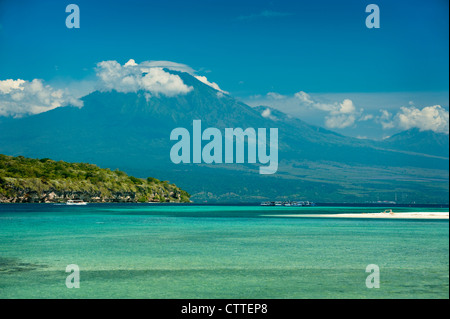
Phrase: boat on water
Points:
(268, 204)
(279, 203)
(77, 202)
(289, 203)
(303, 204)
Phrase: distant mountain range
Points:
(130, 131)
(425, 142)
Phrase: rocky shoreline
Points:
(55, 196)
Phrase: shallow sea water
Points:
(179, 251)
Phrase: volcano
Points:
(131, 131)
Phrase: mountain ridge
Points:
(131, 131)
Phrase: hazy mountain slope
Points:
(414, 140)
(131, 132)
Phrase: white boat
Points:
(75, 202)
(278, 203)
(289, 203)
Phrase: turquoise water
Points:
(154, 251)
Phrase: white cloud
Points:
(346, 107)
(275, 96)
(266, 113)
(131, 62)
(333, 115)
(9, 85)
(339, 121)
(366, 118)
(340, 115)
(304, 97)
(344, 115)
(333, 108)
(20, 97)
(132, 77)
(148, 76)
(430, 118)
(324, 109)
(386, 120)
(214, 85)
(167, 65)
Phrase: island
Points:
(27, 180)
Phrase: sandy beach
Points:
(404, 215)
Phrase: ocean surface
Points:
(190, 251)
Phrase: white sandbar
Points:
(406, 215)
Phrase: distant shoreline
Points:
(269, 209)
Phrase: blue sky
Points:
(250, 48)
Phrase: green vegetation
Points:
(44, 180)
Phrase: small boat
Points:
(289, 203)
(278, 203)
(302, 204)
(267, 204)
(307, 203)
(298, 204)
(78, 202)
